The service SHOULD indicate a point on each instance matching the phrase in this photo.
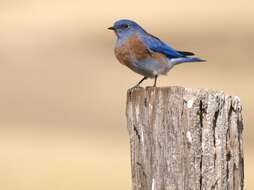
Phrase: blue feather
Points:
(156, 45)
(180, 60)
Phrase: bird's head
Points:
(125, 27)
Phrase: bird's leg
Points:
(155, 81)
(137, 85)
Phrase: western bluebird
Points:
(144, 53)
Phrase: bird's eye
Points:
(125, 26)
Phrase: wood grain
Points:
(185, 139)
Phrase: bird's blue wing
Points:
(156, 45)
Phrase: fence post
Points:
(185, 139)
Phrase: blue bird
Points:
(144, 53)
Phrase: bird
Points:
(145, 53)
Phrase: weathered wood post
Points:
(185, 139)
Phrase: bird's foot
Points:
(136, 86)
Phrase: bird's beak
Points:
(111, 28)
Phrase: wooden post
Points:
(185, 139)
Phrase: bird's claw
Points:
(136, 86)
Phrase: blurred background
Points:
(63, 93)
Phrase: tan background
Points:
(62, 92)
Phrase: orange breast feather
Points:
(135, 50)
(131, 50)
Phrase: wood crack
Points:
(191, 139)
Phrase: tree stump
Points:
(185, 139)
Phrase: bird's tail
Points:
(180, 60)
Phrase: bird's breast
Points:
(131, 50)
(134, 54)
